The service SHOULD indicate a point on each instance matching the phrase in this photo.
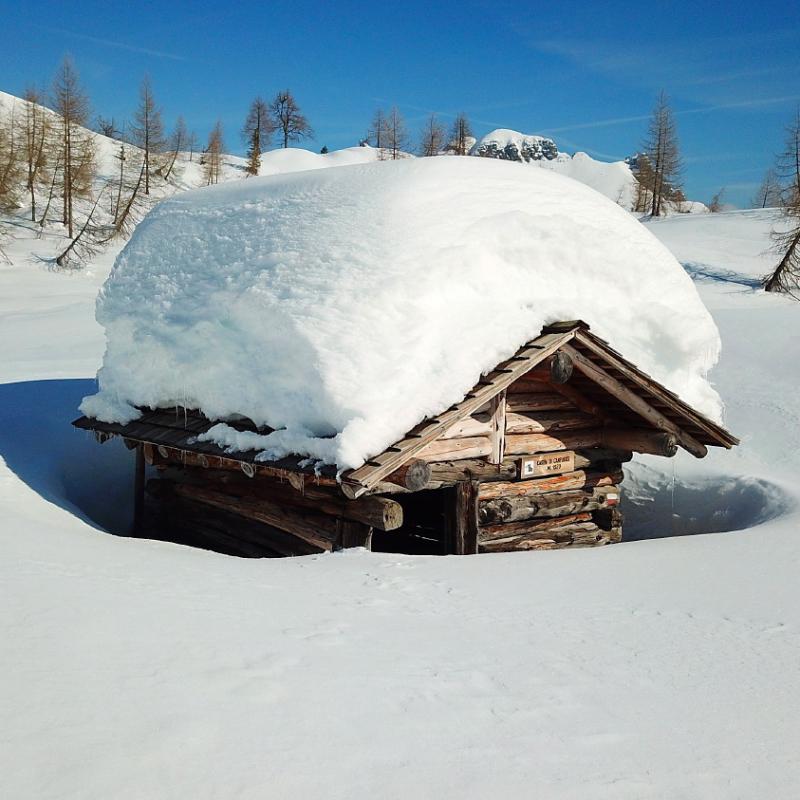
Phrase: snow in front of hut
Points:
(343, 306)
(655, 669)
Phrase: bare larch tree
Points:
(257, 134)
(377, 134)
(76, 148)
(433, 137)
(177, 144)
(288, 119)
(36, 124)
(661, 147)
(148, 130)
(769, 192)
(11, 160)
(460, 136)
(396, 135)
(212, 162)
(786, 242)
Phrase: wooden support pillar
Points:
(465, 518)
(138, 491)
(497, 422)
(354, 534)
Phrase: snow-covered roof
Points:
(343, 306)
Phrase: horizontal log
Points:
(476, 425)
(537, 401)
(377, 512)
(452, 449)
(414, 475)
(448, 472)
(159, 456)
(548, 421)
(529, 527)
(317, 529)
(580, 479)
(641, 440)
(580, 535)
(529, 443)
(552, 504)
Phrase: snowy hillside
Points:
(650, 669)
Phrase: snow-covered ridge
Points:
(343, 306)
(515, 146)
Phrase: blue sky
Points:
(585, 73)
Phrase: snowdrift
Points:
(342, 306)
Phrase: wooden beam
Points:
(497, 422)
(580, 479)
(465, 518)
(599, 347)
(634, 401)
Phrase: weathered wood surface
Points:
(531, 443)
(536, 401)
(634, 401)
(530, 527)
(464, 524)
(580, 479)
(640, 440)
(354, 534)
(378, 512)
(414, 475)
(497, 427)
(453, 449)
(317, 529)
(516, 508)
(585, 534)
(548, 421)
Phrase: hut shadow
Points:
(656, 507)
(63, 465)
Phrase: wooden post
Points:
(138, 492)
(465, 527)
(354, 534)
(497, 409)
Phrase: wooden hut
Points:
(530, 458)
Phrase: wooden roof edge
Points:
(719, 434)
(356, 482)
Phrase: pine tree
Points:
(460, 136)
(663, 153)
(432, 140)
(786, 242)
(76, 150)
(148, 130)
(212, 162)
(288, 120)
(643, 172)
(257, 133)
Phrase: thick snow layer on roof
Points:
(342, 306)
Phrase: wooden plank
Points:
(634, 401)
(533, 401)
(453, 449)
(354, 534)
(465, 518)
(476, 425)
(497, 424)
(359, 480)
(548, 421)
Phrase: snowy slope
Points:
(342, 307)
